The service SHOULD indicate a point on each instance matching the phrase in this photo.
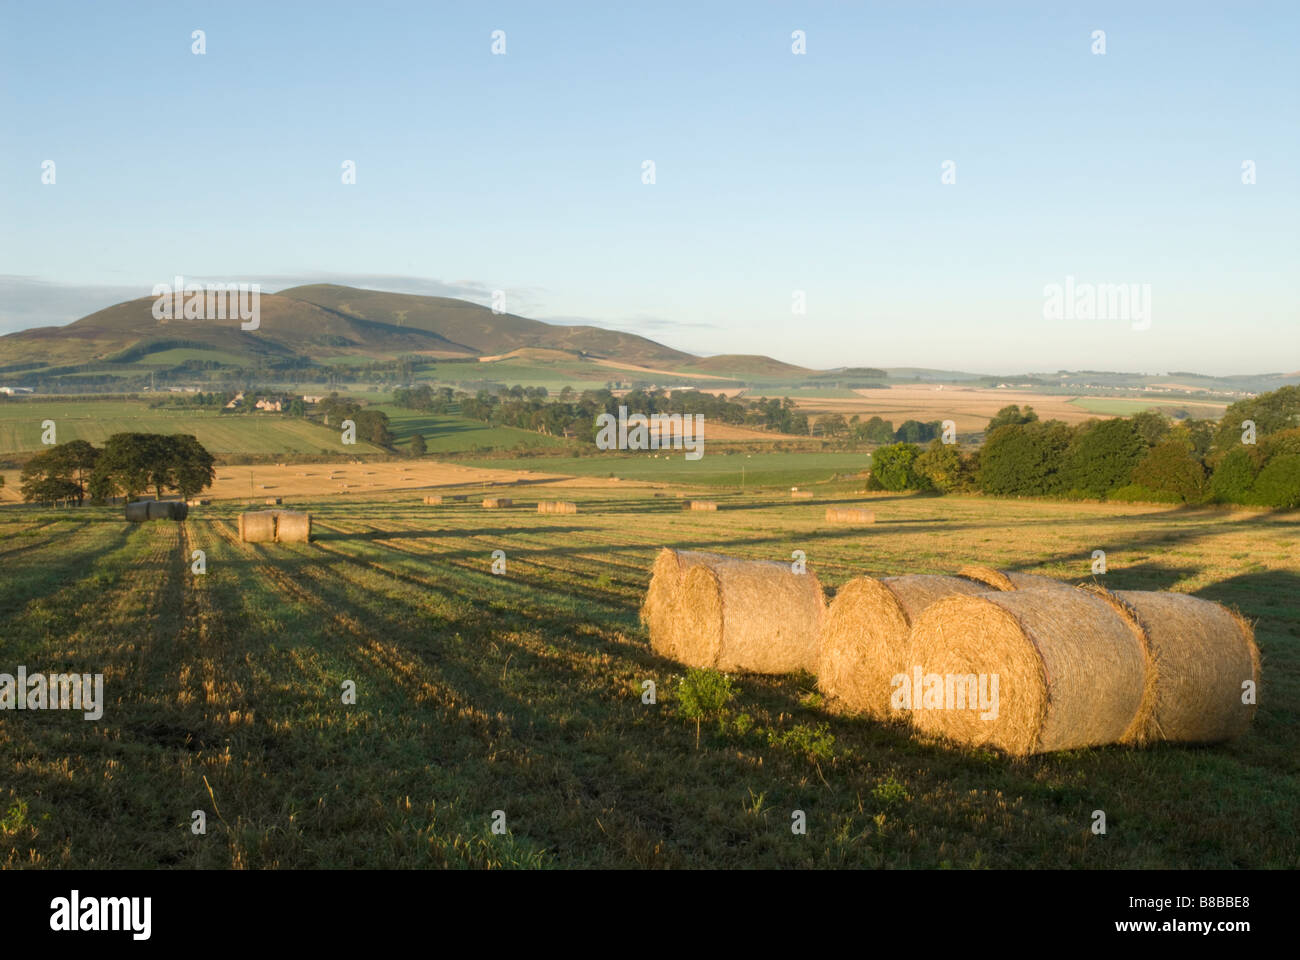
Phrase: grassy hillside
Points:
(477, 327)
(523, 693)
(127, 333)
(744, 366)
(260, 433)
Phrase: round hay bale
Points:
(496, 503)
(273, 501)
(659, 609)
(137, 512)
(1200, 655)
(257, 527)
(701, 505)
(863, 642)
(433, 500)
(751, 616)
(801, 494)
(1070, 672)
(168, 510)
(1011, 579)
(849, 515)
(292, 526)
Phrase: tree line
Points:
(1251, 456)
(128, 465)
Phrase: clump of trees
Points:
(129, 464)
(372, 425)
(1146, 457)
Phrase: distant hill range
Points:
(321, 323)
(331, 326)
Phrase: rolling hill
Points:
(316, 324)
(481, 330)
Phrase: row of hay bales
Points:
(1076, 666)
(275, 526)
(143, 510)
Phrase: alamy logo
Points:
(1093, 301)
(75, 913)
(55, 691)
(659, 431)
(209, 301)
(946, 691)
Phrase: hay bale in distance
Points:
(257, 527)
(168, 510)
(273, 501)
(701, 505)
(292, 526)
(556, 506)
(197, 503)
(752, 616)
(864, 638)
(849, 515)
(801, 494)
(137, 512)
(433, 500)
(1200, 655)
(1070, 671)
(496, 503)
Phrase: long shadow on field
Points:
(21, 584)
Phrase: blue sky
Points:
(774, 172)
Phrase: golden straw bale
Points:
(556, 506)
(849, 515)
(292, 526)
(257, 527)
(864, 638)
(1069, 670)
(1201, 655)
(752, 616)
(1011, 579)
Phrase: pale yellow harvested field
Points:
(970, 408)
(322, 479)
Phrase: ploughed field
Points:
(522, 693)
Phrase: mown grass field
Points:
(1122, 407)
(712, 470)
(255, 433)
(522, 693)
(451, 434)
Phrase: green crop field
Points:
(522, 693)
(713, 469)
(1120, 407)
(257, 433)
(449, 434)
(178, 355)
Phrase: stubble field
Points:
(522, 693)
